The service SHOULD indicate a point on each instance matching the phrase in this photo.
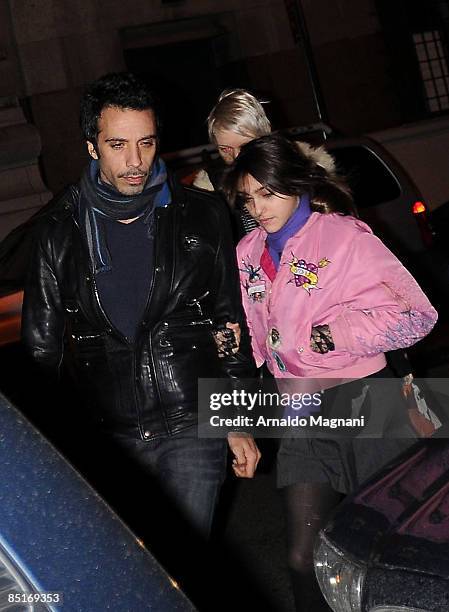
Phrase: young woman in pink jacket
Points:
(324, 298)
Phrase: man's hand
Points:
(246, 454)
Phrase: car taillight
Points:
(419, 210)
(419, 207)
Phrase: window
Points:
(434, 69)
(417, 39)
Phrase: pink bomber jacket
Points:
(334, 271)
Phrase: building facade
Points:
(373, 60)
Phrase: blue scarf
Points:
(276, 240)
(99, 201)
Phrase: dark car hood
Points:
(400, 518)
(60, 536)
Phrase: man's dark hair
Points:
(282, 167)
(116, 89)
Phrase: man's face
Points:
(126, 148)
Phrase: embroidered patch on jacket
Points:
(255, 286)
(280, 364)
(305, 274)
(274, 338)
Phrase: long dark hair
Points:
(283, 167)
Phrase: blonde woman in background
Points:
(237, 118)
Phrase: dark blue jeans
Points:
(188, 469)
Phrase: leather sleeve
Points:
(228, 303)
(16, 247)
(42, 313)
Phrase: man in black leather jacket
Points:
(130, 274)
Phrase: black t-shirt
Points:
(124, 289)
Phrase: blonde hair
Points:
(239, 111)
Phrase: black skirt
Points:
(345, 460)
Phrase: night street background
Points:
(367, 68)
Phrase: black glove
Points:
(321, 339)
(226, 340)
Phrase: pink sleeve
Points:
(258, 357)
(383, 306)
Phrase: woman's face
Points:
(271, 210)
(229, 144)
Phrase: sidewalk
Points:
(255, 540)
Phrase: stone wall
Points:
(22, 191)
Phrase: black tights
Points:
(307, 508)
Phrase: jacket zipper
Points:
(109, 324)
(150, 335)
(111, 327)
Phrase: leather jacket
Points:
(146, 388)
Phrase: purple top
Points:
(276, 240)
